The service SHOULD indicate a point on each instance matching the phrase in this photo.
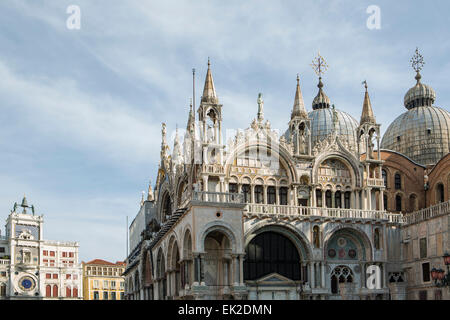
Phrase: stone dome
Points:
(421, 133)
(322, 126)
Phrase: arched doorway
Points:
(272, 266)
(161, 276)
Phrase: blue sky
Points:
(81, 110)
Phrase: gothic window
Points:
(283, 196)
(440, 193)
(319, 198)
(398, 181)
(259, 194)
(384, 176)
(270, 252)
(413, 203)
(316, 237)
(232, 188)
(271, 195)
(347, 200)
(328, 199)
(341, 274)
(246, 192)
(337, 200)
(398, 203)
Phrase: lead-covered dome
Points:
(419, 95)
(322, 125)
(421, 133)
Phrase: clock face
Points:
(27, 283)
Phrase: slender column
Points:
(225, 273)
(357, 196)
(343, 199)
(333, 199)
(277, 195)
(381, 201)
(265, 194)
(313, 197)
(369, 198)
(236, 270)
(323, 198)
(241, 269)
(252, 193)
(312, 275)
(323, 274)
(295, 196)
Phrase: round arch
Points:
(359, 237)
(350, 163)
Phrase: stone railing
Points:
(212, 168)
(336, 213)
(218, 197)
(5, 261)
(374, 182)
(427, 213)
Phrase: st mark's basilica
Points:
(330, 209)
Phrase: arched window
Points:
(328, 199)
(398, 181)
(398, 203)
(384, 176)
(270, 252)
(337, 200)
(385, 202)
(48, 291)
(412, 203)
(347, 200)
(167, 207)
(319, 198)
(246, 192)
(259, 194)
(439, 193)
(316, 237)
(376, 239)
(283, 196)
(271, 195)
(2, 290)
(232, 188)
(55, 291)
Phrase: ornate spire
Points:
(191, 118)
(299, 106)
(367, 112)
(209, 92)
(164, 146)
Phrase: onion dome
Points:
(419, 95)
(321, 101)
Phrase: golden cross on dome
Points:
(319, 65)
(417, 61)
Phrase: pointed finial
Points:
(260, 102)
(150, 196)
(319, 65)
(417, 63)
(209, 63)
(299, 109)
(298, 79)
(365, 84)
(209, 91)
(24, 202)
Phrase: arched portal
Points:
(271, 252)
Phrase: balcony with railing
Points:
(427, 213)
(218, 197)
(332, 213)
(374, 182)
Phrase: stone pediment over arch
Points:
(274, 278)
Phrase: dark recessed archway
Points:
(271, 252)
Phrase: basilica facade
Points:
(330, 209)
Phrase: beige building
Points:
(331, 209)
(103, 280)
